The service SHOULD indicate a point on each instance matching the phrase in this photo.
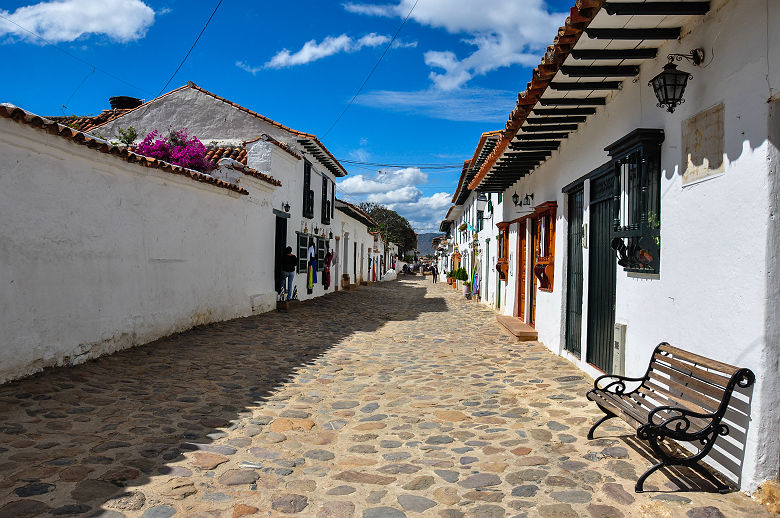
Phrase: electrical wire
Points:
(65, 104)
(189, 51)
(418, 166)
(109, 74)
(354, 97)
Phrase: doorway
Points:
(574, 273)
(521, 270)
(532, 292)
(602, 273)
(354, 264)
(279, 248)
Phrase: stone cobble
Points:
(399, 399)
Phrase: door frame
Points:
(522, 254)
(574, 286)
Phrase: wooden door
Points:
(601, 276)
(574, 273)
(521, 271)
(533, 222)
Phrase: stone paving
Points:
(397, 399)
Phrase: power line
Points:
(109, 74)
(189, 51)
(418, 166)
(371, 72)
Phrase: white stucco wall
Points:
(710, 296)
(97, 254)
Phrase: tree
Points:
(393, 226)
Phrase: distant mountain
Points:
(424, 242)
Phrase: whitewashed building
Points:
(633, 224)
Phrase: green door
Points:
(601, 275)
(574, 273)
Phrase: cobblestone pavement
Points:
(398, 399)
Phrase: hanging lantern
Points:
(669, 86)
(515, 198)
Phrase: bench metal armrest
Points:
(617, 385)
(677, 426)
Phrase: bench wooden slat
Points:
(699, 360)
(697, 424)
(675, 397)
(610, 404)
(694, 371)
(708, 396)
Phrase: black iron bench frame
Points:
(678, 419)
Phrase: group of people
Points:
(290, 266)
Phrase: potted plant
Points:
(467, 289)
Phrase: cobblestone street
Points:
(397, 399)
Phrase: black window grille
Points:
(303, 252)
(321, 246)
(325, 209)
(636, 160)
(308, 193)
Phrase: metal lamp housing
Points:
(669, 86)
(515, 198)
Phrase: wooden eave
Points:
(591, 55)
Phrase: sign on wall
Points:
(702, 137)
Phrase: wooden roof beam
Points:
(658, 33)
(564, 111)
(656, 8)
(521, 146)
(573, 101)
(540, 129)
(554, 120)
(614, 54)
(601, 71)
(585, 85)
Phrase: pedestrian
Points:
(289, 265)
(435, 274)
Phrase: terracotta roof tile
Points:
(89, 122)
(30, 119)
(236, 153)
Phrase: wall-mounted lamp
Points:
(669, 85)
(330, 235)
(286, 207)
(316, 230)
(515, 198)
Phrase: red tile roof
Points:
(89, 122)
(236, 153)
(30, 119)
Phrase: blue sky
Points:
(452, 73)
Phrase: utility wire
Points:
(419, 166)
(65, 104)
(189, 51)
(109, 74)
(371, 72)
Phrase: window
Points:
(637, 200)
(500, 197)
(321, 246)
(502, 267)
(332, 200)
(308, 193)
(480, 215)
(303, 252)
(545, 245)
(325, 209)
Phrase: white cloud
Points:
(313, 51)
(384, 182)
(68, 20)
(371, 10)
(503, 32)
(426, 212)
(248, 68)
(405, 195)
(465, 104)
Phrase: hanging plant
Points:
(178, 148)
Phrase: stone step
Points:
(517, 327)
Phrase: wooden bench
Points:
(682, 396)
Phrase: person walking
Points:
(435, 274)
(289, 264)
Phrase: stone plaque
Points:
(702, 137)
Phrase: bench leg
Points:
(609, 415)
(638, 488)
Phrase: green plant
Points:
(461, 275)
(127, 136)
(654, 222)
